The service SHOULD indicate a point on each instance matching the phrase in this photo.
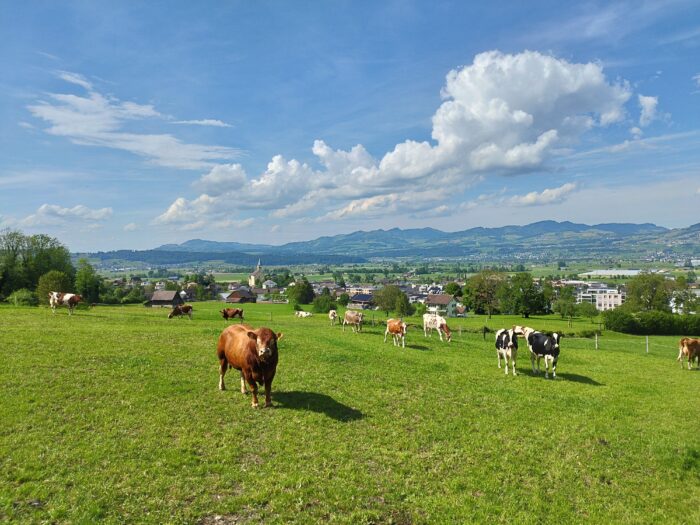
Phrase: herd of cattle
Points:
(254, 351)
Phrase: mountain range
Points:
(540, 240)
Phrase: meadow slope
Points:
(114, 415)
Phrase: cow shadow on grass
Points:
(316, 402)
(579, 379)
(418, 347)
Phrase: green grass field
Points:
(113, 415)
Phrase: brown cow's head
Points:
(448, 333)
(175, 311)
(265, 342)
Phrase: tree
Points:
(527, 299)
(586, 309)
(453, 289)
(403, 307)
(23, 259)
(647, 292)
(565, 305)
(343, 299)
(87, 282)
(53, 281)
(482, 289)
(302, 292)
(386, 298)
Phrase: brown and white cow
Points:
(397, 328)
(254, 353)
(354, 319)
(180, 310)
(435, 322)
(302, 313)
(332, 315)
(70, 300)
(689, 348)
(230, 313)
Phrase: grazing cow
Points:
(70, 300)
(507, 347)
(435, 322)
(332, 315)
(180, 310)
(230, 313)
(354, 319)
(397, 329)
(302, 313)
(690, 349)
(541, 345)
(254, 353)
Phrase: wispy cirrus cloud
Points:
(94, 119)
(205, 122)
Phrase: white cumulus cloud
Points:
(648, 109)
(547, 196)
(502, 114)
(52, 214)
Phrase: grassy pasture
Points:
(113, 415)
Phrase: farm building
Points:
(241, 296)
(361, 300)
(164, 298)
(444, 304)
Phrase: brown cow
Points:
(690, 349)
(254, 353)
(397, 329)
(181, 309)
(230, 313)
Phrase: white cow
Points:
(301, 313)
(332, 315)
(354, 319)
(435, 322)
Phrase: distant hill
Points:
(536, 241)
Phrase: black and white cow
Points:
(541, 346)
(507, 348)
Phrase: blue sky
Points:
(134, 124)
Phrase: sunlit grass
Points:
(113, 415)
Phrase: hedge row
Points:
(651, 323)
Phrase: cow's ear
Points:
(253, 336)
(280, 336)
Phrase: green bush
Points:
(323, 304)
(651, 323)
(23, 297)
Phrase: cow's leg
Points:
(343, 325)
(403, 341)
(498, 355)
(554, 367)
(254, 387)
(505, 360)
(546, 366)
(532, 361)
(268, 392)
(222, 373)
(440, 334)
(514, 355)
(386, 332)
(243, 389)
